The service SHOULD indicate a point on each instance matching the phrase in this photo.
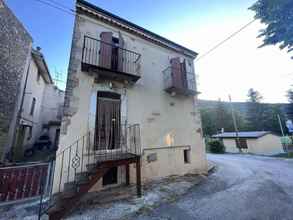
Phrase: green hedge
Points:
(216, 146)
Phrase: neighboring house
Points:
(130, 104)
(30, 104)
(255, 142)
(42, 106)
(15, 53)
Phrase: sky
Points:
(232, 68)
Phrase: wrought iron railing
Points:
(110, 56)
(176, 78)
(76, 158)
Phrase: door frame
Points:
(106, 95)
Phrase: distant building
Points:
(30, 103)
(42, 106)
(255, 142)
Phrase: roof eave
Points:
(162, 40)
(42, 65)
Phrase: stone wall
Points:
(15, 48)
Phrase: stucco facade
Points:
(168, 124)
(269, 144)
(42, 105)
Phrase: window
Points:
(186, 156)
(33, 106)
(242, 143)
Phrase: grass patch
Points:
(285, 155)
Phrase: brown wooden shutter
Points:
(121, 53)
(106, 50)
(184, 74)
(176, 72)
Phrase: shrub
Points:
(216, 146)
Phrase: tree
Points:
(278, 16)
(255, 111)
(254, 96)
(218, 117)
(290, 95)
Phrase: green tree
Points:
(208, 122)
(270, 118)
(278, 17)
(219, 117)
(290, 95)
(255, 111)
(254, 96)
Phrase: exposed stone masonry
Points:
(15, 46)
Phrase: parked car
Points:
(43, 141)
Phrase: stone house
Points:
(254, 142)
(15, 50)
(131, 110)
(30, 104)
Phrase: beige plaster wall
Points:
(267, 145)
(35, 89)
(164, 120)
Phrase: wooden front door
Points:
(108, 123)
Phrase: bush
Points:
(216, 147)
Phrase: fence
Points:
(24, 181)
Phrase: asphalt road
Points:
(242, 187)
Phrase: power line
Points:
(66, 9)
(58, 6)
(226, 39)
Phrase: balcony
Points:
(178, 82)
(110, 61)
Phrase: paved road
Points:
(242, 187)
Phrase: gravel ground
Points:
(116, 203)
(242, 187)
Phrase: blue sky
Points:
(199, 25)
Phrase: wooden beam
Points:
(127, 174)
(138, 177)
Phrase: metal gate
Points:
(22, 182)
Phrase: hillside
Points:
(217, 115)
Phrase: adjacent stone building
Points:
(15, 51)
(30, 103)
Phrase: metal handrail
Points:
(125, 61)
(113, 45)
(78, 156)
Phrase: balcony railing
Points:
(116, 61)
(178, 82)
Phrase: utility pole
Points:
(281, 127)
(280, 124)
(235, 125)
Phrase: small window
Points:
(33, 106)
(186, 156)
(242, 143)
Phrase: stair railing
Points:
(75, 158)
